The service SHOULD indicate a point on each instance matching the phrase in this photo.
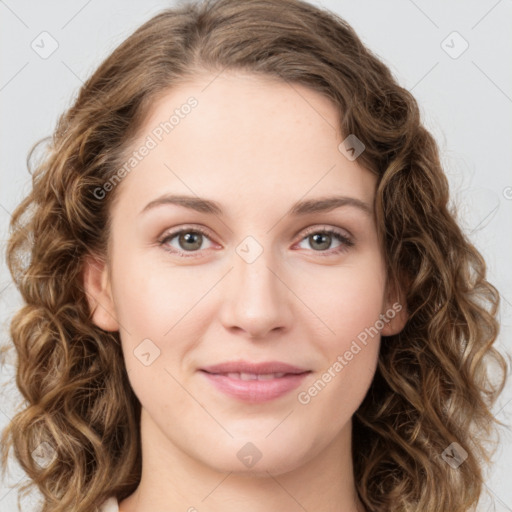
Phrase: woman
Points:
(185, 344)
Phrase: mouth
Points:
(254, 382)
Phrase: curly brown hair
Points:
(432, 386)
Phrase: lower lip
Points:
(255, 391)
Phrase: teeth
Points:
(254, 376)
(269, 376)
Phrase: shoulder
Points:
(110, 505)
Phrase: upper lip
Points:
(255, 368)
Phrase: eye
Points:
(187, 239)
(321, 238)
(190, 240)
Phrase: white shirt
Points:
(110, 505)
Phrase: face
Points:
(250, 277)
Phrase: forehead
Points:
(243, 140)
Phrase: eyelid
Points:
(325, 227)
(185, 227)
(205, 231)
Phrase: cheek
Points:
(350, 347)
(152, 300)
(164, 312)
(347, 300)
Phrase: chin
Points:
(258, 458)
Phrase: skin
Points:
(255, 146)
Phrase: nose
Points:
(257, 298)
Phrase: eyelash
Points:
(346, 242)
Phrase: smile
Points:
(255, 388)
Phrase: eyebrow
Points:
(322, 204)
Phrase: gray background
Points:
(466, 101)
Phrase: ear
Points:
(97, 288)
(395, 314)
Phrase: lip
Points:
(254, 391)
(257, 368)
